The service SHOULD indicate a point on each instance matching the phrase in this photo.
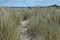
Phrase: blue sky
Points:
(28, 3)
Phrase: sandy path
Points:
(22, 32)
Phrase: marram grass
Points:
(8, 24)
(10, 19)
(45, 23)
(42, 21)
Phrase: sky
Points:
(28, 3)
